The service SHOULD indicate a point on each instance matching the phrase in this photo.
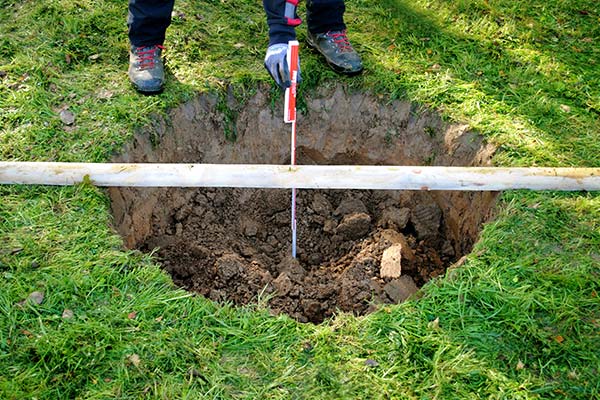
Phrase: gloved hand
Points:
(276, 64)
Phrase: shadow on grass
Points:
(546, 84)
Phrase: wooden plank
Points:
(301, 177)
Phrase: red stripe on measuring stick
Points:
(290, 93)
(289, 115)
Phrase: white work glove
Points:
(276, 65)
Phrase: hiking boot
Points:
(146, 69)
(337, 50)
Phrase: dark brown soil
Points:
(244, 250)
(235, 244)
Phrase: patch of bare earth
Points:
(356, 248)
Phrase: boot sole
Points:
(147, 92)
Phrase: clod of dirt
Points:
(355, 290)
(394, 217)
(250, 228)
(356, 248)
(311, 307)
(350, 206)
(426, 218)
(354, 226)
(292, 268)
(329, 226)
(401, 289)
(320, 205)
(283, 284)
(229, 266)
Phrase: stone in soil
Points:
(396, 238)
(391, 262)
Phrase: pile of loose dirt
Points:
(234, 245)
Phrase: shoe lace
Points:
(341, 40)
(147, 56)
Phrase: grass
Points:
(521, 319)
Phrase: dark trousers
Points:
(325, 15)
(148, 19)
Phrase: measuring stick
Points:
(289, 116)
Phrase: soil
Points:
(244, 250)
(356, 249)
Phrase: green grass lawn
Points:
(520, 319)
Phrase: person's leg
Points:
(325, 15)
(327, 34)
(147, 22)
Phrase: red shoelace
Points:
(341, 40)
(147, 56)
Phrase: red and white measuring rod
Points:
(300, 176)
(289, 116)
